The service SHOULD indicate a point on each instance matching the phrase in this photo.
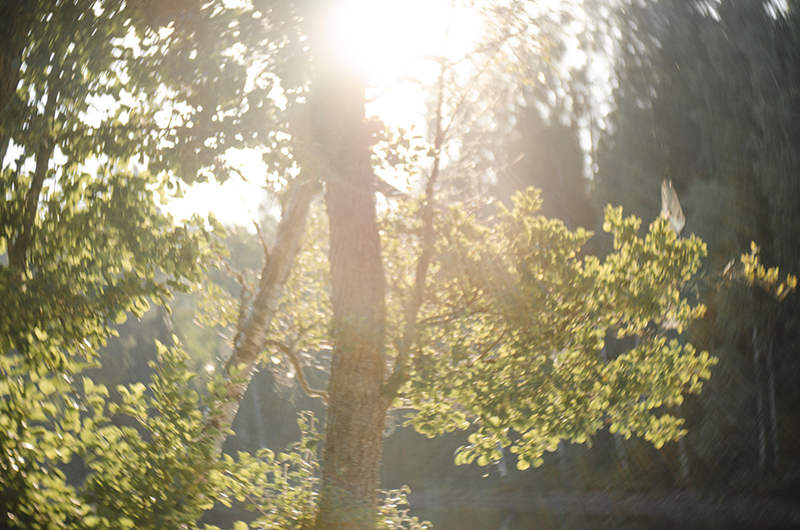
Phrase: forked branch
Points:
(294, 358)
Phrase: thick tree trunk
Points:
(356, 410)
(356, 407)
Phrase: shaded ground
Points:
(603, 509)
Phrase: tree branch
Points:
(18, 247)
(487, 349)
(298, 368)
(410, 334)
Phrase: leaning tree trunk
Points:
(356, 409)
(257, 310)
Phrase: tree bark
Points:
(357, 410)
(356, 407)
(258, 311)
(22, 237)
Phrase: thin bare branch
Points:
(487, 349)
(409, 338)
(260, 234)
(294, 358)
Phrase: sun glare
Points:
(234, 203)
(396, 41)
(388, 38)
(397, 44)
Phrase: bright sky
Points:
(388, 38)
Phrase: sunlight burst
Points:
(388, 38)
(397, 45)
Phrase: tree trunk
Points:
(356, 407)
(356, 410)
(22, 236)
(619, 442)
(257, 312)
(9, 79)
(683, 458)
(762, 429)
(16, 19)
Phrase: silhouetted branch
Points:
(294, 358)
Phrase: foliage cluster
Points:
(516, 321)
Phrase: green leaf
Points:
(46, 386)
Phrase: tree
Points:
(478, 302)
(495, 323)
(83, 236)
(721, 152)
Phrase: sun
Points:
(391, 38)
(394, 42)
(388, 37)
(398, 45)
